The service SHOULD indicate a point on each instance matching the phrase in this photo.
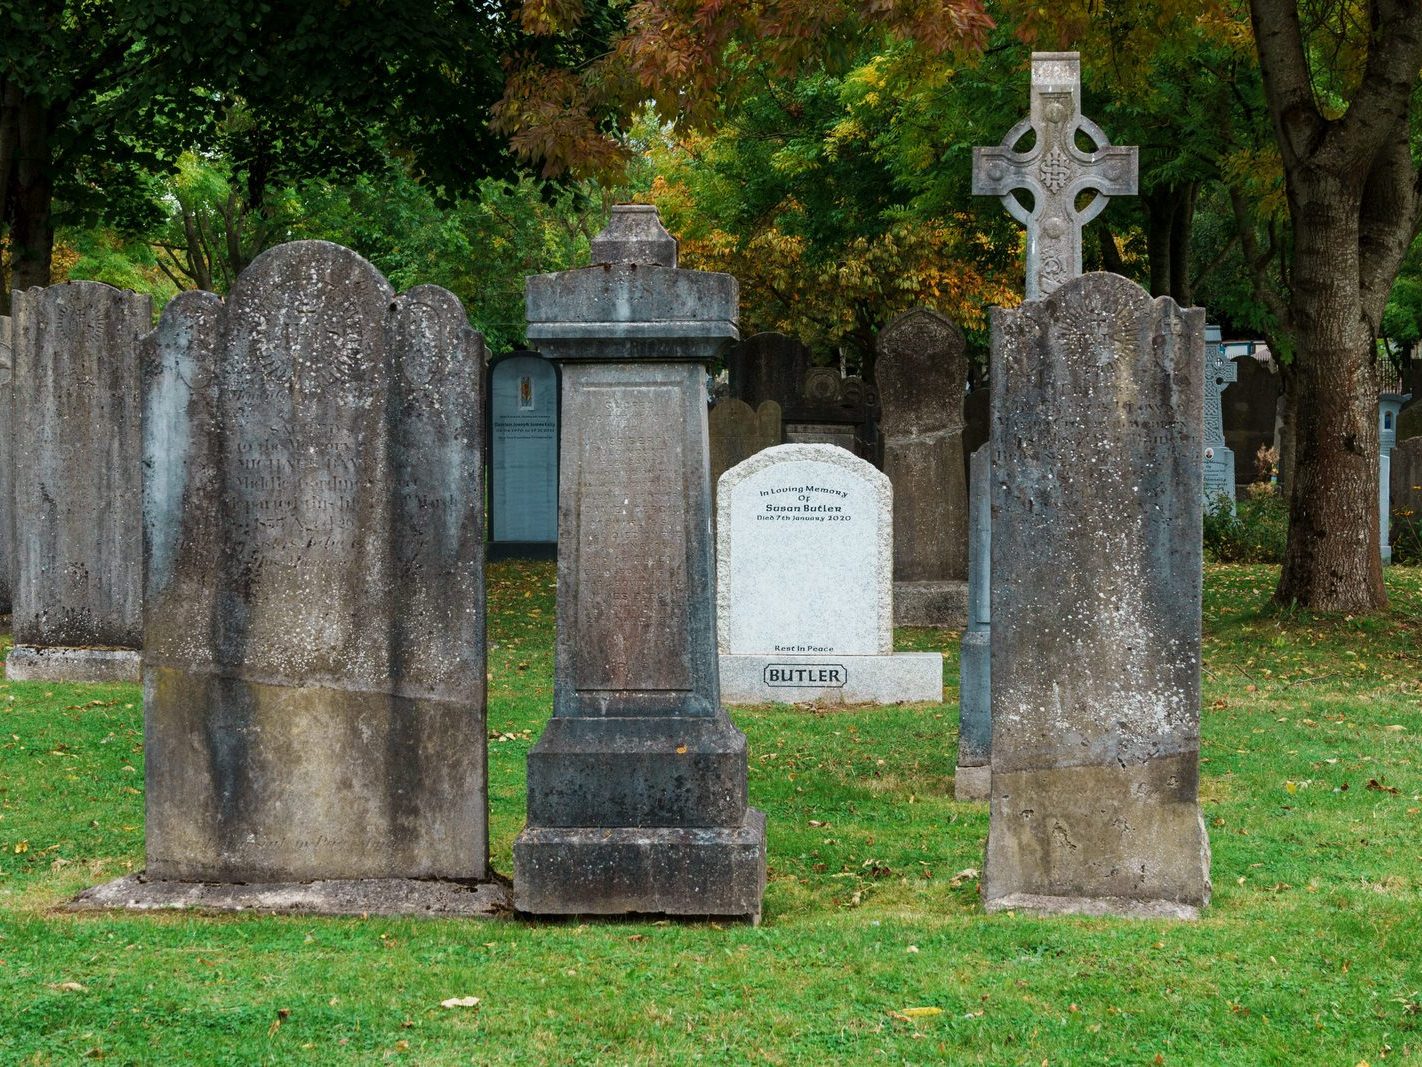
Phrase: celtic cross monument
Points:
(1055, 171)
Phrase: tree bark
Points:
(1353, 204)
(31, 195)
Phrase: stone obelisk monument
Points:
(637, 788)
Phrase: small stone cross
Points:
(1054, 170)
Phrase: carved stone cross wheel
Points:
(1055, 171)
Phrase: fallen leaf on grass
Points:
(920, 1013)
(967, 874)
(69, 987)
(459, 1002)
(1378, 787)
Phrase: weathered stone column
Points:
(970, 780)
(1096, 574)
(77, 586)
(637, 789)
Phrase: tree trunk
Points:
(1332, 562)
(31, 196)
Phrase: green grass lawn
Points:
(1310, 954)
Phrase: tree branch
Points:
(1286, 76)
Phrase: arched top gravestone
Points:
(314, 624)
(805, 550)
(922, 374)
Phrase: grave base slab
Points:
(899, 678)
(30, 663)
(712, 872)
(366, 896)
(939, 604)
(972, 784)
(1117, 907)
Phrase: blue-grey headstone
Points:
(1220, 371)
(971, 779)
(523, 450)
(1389, 407)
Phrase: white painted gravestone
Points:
(805, 583)
(523, 456)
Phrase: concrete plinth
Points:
(26, 663)
(709, 871)
(364, 896)
(900, 678)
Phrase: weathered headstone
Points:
(314, 627)
(637, 789)
(737, 431)
(833, 409)
(1055, 171)
(1405, 469)
(972, 779)
(1096, 573)
(1389, 407)
(77, 571)
(922, 374)
(1220, 371)
(805, 583)
(1096, 565)
(7, 499)
(767, 366)
(523, 456)
(1409, 420)
(1250, 415)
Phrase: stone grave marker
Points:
(922, 373)
(737, 432)
(523, 457)
(1249, 411)
(973, 776)
(805, 583)
(1096, 571)
(1220, 371)
(1096, 567)
(1405, 469)
(7, 489)
(314, 684)
(77, 567)
(767, 366)
(637, 796)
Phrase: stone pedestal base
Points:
(972, 784)
(366, 896)
(714, 871)
(900, 678)
(1098, 840)
(29, 663)
(941, 604)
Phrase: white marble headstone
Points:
(806, 554)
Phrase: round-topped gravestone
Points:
(805, 583)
